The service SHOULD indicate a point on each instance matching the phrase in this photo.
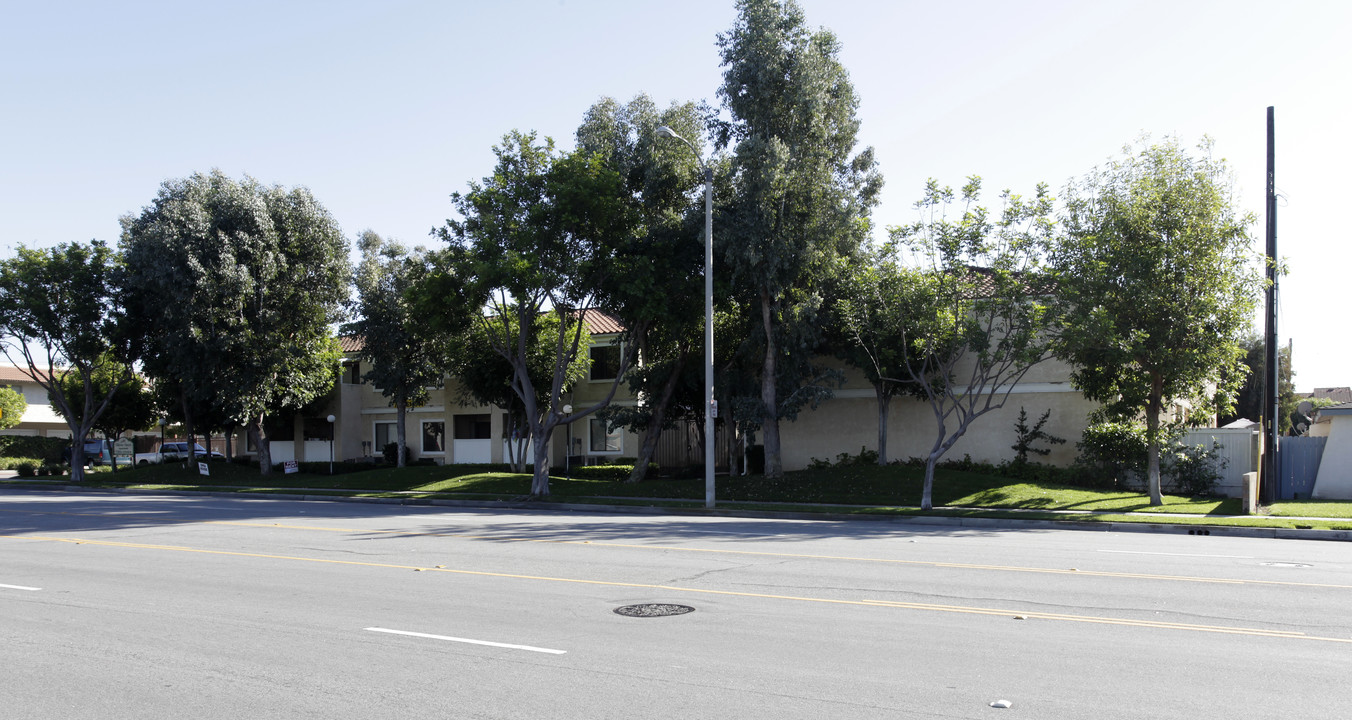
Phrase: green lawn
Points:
(863, 489)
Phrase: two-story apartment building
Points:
(39, 418)
(445, 430)
(448, 432)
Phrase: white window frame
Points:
(422, 437)
(618, 434)
(619, 360)
(376, 446)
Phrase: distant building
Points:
(40, 418)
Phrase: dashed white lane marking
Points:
(467, 640)
(1147, 552)
(18, 587)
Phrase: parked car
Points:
(97, 451)
(174, 451)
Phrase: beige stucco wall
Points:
(844, 424)
(850, 422)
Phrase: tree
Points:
(1248, 401)
(661, 302)
(131, 406)
(800, 199)
(406, 357)
(485, 375)
(59, 313)
(238, 285)
(12, 407)
(1158, 283)
(877, 316)
(976, 317)
(537, 237)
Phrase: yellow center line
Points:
(968, 610)
(754, 553)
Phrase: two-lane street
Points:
(120, 606)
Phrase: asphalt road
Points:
(117, 606)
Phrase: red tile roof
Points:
(1336, 394)
(9, 373)
(598, 322)
(601, 323)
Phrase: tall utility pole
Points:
(1271, 425)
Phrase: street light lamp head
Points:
(666, 132)
(332, 418)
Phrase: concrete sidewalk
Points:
(732, 509)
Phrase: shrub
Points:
(32, 446)
(391, 453)
(865, 457)
(615, 473)
(1109, 451)
(321, 467)
(27, 468)
(1192, 470)
(1025, 436)
(13, 463)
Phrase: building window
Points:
(433, 436)
(352, 373)
(385, 433)
(473, 427)
(605, 361)
(603, 439)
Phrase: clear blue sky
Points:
(384, 109)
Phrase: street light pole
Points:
(709, 407)
(331, 419)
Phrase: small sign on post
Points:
(124, 450)
(290, 467)
(202, 469)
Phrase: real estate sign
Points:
(124, 450)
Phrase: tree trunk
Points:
(400, 413)
(1152, 431)
(230, 442)
(77, 459)
(884, 405)
(188, 428)
(774, 464)
(656, 419)
(263, 444)
(927, 492)
(539, 484)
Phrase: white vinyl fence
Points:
(1239, 447)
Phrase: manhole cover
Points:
(653, 610)
(1287, 564)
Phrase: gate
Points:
(680, 447)
(1299, 459)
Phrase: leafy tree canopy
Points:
(60, 314)
(12, 407)
(1158, 282)
(799, 197)
(238, 284)
(974, 319)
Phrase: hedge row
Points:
(32, 446)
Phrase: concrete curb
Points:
(943, 521)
